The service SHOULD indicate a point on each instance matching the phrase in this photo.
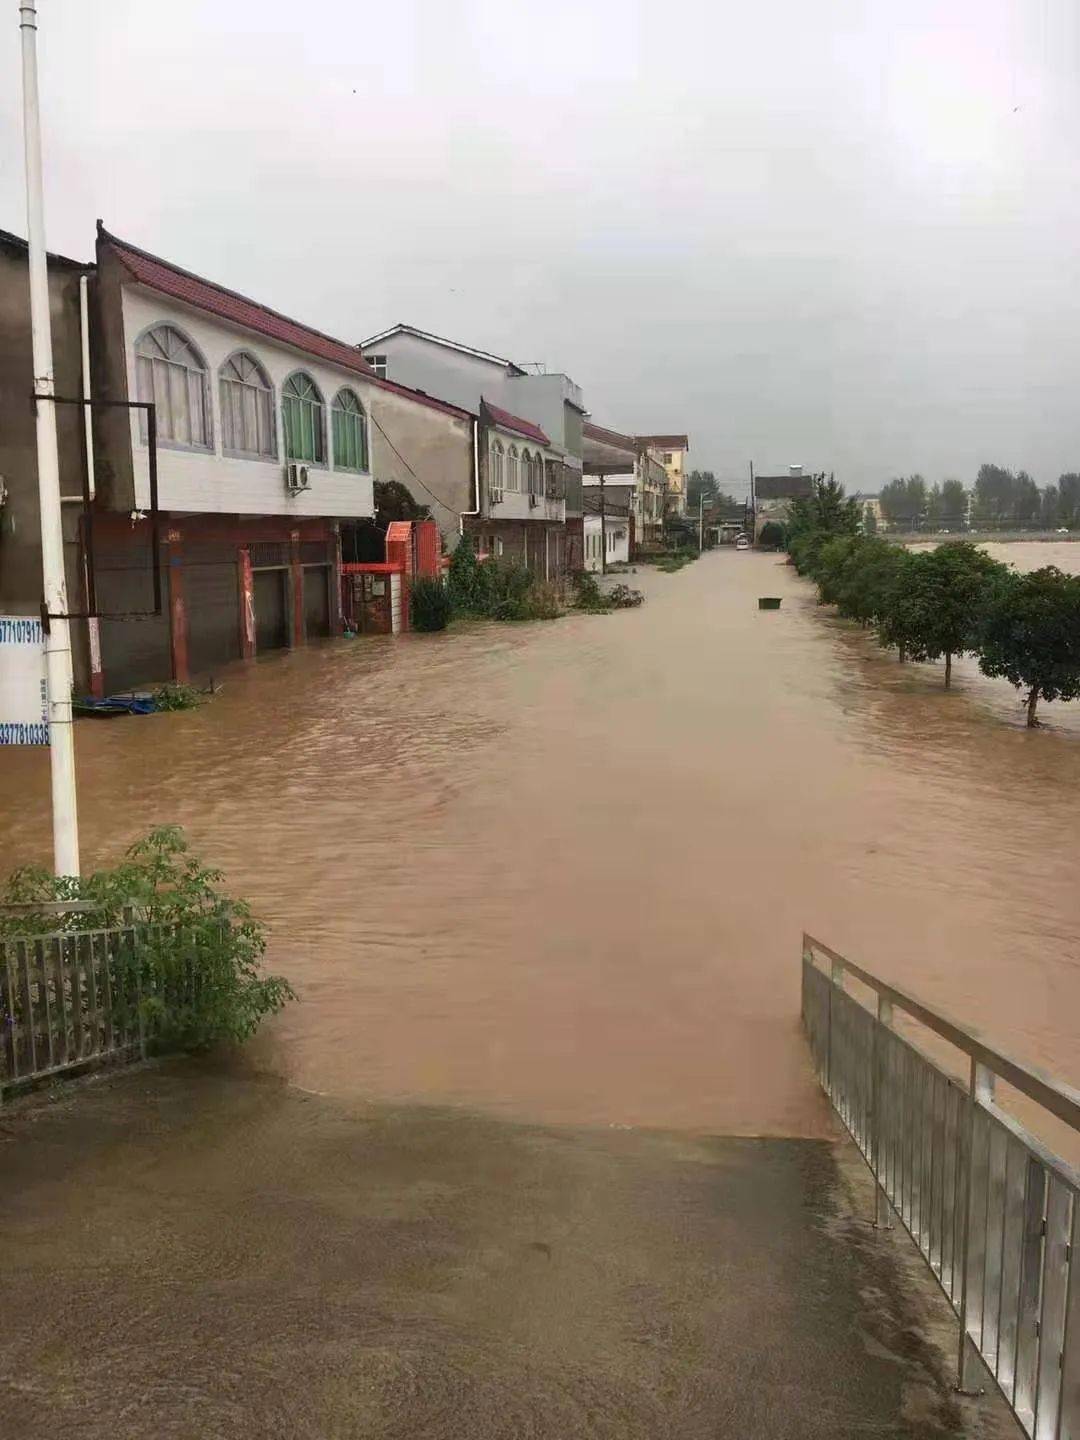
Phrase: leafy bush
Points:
(466, 581)
(430, 606)
(544, 601)
(773, 536)
(175, 695)
(589, 597)
(192, 976)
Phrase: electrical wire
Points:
(427, 490)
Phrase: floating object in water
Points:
(114, 705)
(768, 602)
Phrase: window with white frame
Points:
(247, 408)
(498, 465)
(302, 417)
(350, 432)
(526, 472)
(513, 481)
(171, 373)
(378, 364)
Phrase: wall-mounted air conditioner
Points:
(534, 500)
(296, 478)
(496, 497)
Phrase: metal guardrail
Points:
(994, 1213)
(67, 999)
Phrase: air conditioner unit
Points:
(296, 478)
(534, 500)
(496, 497)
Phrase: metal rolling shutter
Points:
(316, 600)
(271, 613)
(212, 596)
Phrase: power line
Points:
(427, 490)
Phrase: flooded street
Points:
(560, 871)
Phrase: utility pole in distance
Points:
(603, 528)
(54, 586)
(701, 522)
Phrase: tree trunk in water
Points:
(948, 668)
(1033, 700)
(903, 654)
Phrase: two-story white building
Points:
(268, 436)
(523, 498)
(547, 403)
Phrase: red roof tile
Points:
(666, 442)
(608, 437)
(515, 422)
(169, 279)
(228, 305)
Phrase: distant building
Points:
(608, 525)
(608, 454)
(522, 509)
(463, 375)
(773, 495)
(671, 451)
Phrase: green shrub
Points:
(589, 597)
(175, 695)
(773, 536)
(192, 975)
(430, 606)
(544, 601)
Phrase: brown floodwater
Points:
(560, 871)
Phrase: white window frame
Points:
(170, 367)
(262, 390)
(318, 404)
(355, 417)
(513, 474)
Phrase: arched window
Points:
(536, 465)
(302, 415)
(170, 372)
(247, 408)
(512, 481)
(350, 432)
(498, 465)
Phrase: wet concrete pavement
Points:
(191, 1254)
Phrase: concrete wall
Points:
(618, 540)
(439, 450)
(443, 372)
(209, 482)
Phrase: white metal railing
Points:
(994, 1213)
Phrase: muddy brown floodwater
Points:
(560, 871)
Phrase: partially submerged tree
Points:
(1030, 635)
(942, 602)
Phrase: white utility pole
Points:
(58, 640)
(701, 522)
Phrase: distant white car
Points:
(1061, 530)
(742, 542)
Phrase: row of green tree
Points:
(1000, 498)
(937, 604)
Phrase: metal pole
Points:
(603, 530)
(58, 638)
(701, 522)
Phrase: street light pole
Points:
(54, 586)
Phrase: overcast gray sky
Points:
(841, 232)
